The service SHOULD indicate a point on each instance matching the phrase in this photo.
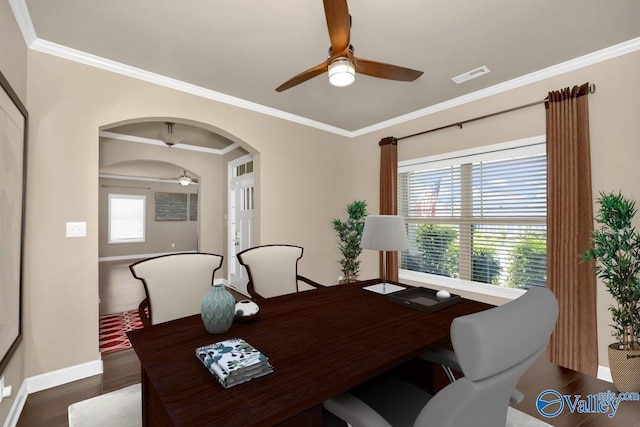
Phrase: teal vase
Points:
(217, 309)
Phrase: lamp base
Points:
(384, 288)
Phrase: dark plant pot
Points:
(625, 368)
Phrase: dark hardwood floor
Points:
(544, 375)
(48, 408)
(118, 292)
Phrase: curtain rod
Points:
(592, 89)
(125, 186)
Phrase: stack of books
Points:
(234, 361)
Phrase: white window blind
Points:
(480, 217)
(126, 218)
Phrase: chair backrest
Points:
(494, 348)
(175, 284)
(273, 269)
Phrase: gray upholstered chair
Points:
(494, 349)
(273, 270)
(175, 284)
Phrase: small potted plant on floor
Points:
(616, 250)
(349, 236)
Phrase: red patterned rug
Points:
(113, 328)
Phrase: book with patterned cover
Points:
(234, 361)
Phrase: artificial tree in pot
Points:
(616, 250)
(349, 236)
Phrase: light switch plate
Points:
(4, 391)
(76, 229)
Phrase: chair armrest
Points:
(143, 309)
(442, 356)
(516, 396)
(309, 281)
(253, 294)
(354, 411)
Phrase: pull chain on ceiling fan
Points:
(342, 64)
(170, 141)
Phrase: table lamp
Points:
(384, 233)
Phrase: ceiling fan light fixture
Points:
(184, 179)
(342, 72)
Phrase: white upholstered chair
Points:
(175, 284)
(494, 348)
(273, 270)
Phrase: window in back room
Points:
(126, 218)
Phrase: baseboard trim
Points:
(604, 374)
(138, 256)
(18, 405)
(63, 376)
(85, 370)
(49, 380)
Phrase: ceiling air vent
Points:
(471, 74)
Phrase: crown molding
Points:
(137, 73)
(23, 19)
(178, 146)
(145, 179)
(555, 70)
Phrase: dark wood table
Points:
(321, 343)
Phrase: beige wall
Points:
(300, 174)
(304, 177)
(13, 65)
(208, 168)
(615, 141)
(13, 52)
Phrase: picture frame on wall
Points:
(13, 140)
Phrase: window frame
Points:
(143, 198)
(526, 146)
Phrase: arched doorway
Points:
(147, 156)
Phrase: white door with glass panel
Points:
(241, 205)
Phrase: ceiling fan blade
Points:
(339, 25)
(386, 71)
(304, 76)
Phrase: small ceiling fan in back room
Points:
(342, 64)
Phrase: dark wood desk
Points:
(320, 342)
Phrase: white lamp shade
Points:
(384, 233)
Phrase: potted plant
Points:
(616, 250)
(349, 236)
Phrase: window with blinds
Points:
(126, 218)
(479, 217)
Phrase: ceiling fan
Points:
(341, 63)
(184, 179)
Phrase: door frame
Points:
(231, 213)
